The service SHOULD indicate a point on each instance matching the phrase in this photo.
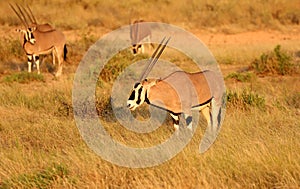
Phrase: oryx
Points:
(40, 39)
(140, 32)
(180, 92)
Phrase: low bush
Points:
(274, 62)
(242, 77)
(245, 99)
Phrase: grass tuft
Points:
(117, 64)
(242, 77)
(23, 77)
(293, 100)
(39, 179)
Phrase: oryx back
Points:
(180, 91)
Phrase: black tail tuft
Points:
(65, 52)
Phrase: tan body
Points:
(40, 39)
(180, 91)
(52, 41)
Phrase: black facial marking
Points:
(134, 51)
(135, 85)
(139, 95)
(132, 96)
(146, 98)
(31, 36)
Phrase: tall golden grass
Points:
(224, 15)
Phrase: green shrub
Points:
(243, 77)
(274, 62)
(245, 100)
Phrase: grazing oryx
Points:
(40, 39)
(180, 92)
(139, 31)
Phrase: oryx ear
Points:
(32, 29)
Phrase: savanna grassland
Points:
(257, 45)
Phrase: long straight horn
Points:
(154, 58)
(27, 14)
(33, 18)
(137, 32)
(131, 32)
(22, 14)
(19, 16)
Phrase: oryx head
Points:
(134, 32)
(141, 89)
(28, 34)
(136, 48)
(139, 93)
(137, 33)
(29, 28)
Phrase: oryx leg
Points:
(36, 60)
(29, 62)
(206, 113)
(189, 121)
(205, 110)
(215, 115)
(175, 118)
(53, 57)
(60, 57)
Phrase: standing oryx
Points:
(40, 39)
(139, 31)
(180, 92)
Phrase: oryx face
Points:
(137, 96)
(28, 35)
(136, 48)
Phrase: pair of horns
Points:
(134, 31)
(22, 16)
(154, 58)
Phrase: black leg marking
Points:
(188, 120)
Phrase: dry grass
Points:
(224, 15)
(258, 147)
